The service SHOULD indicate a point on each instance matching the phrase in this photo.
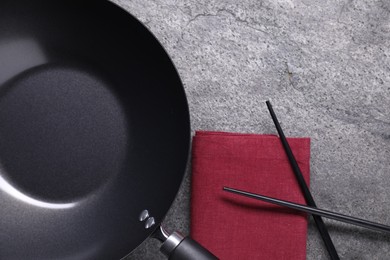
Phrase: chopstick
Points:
(306, 192)
(313, 211)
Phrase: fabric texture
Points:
(235, 227)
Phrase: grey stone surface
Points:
(325, 65)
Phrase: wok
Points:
(94, 133)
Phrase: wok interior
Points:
(94, 117)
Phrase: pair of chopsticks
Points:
(311, 208)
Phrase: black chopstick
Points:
(313, 211)
(306, 192)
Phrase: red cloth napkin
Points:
(234, 227)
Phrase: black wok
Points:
(94, 131)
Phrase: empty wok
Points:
(94, 131)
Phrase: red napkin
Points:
(234, 227)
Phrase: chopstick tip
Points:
(227, 189)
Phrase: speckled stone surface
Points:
(325, 65)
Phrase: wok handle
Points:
(189, 249)
(177, 247)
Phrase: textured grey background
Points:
(325, 65)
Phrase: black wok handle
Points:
(177, 247)
(189, 249)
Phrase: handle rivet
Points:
(144, 215)
(149, 222)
